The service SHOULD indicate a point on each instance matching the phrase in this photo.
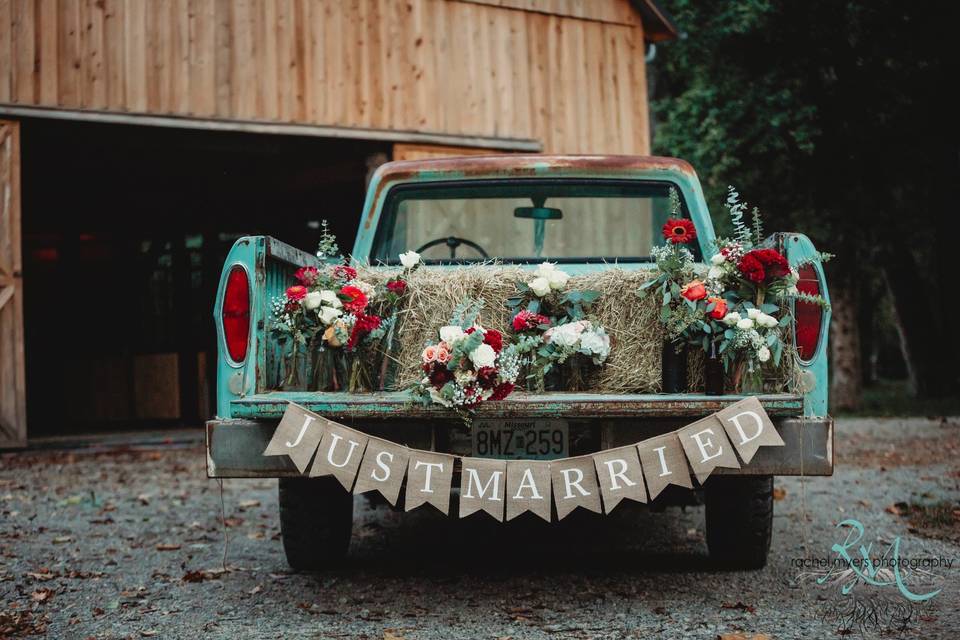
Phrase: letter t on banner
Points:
(429, 476)
(749, 427)
(297, 436)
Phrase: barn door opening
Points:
(13, 412)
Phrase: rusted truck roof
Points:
(518, 165)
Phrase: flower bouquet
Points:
(468, 365)
(554, 334)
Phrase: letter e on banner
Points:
(340, 453)
(707, 447)
(383, 469)
(528, 488)
(429, 476)
(663, 463)
(621, 476)
(575, 485)
(749, 427)
(482, 486)
(297, 436)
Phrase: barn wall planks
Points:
(569, 73)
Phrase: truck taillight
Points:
(808, 316)
(236, 314)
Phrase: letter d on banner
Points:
(749, 428)
(297, 436)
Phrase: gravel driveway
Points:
(129, 543)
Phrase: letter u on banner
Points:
(340, 453)
(297, 436)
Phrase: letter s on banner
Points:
(383, 469)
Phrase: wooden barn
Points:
(139, 138)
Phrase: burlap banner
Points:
(504, 489)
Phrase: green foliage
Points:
(466, 313)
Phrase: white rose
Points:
(329, 314)
(767, 321)
(753, 314)
(540, 286)
(718, 259)
(312, 300)
(483, 356)
(596, 343)
(330, 298)
(715, 273)
(409, 259)
(745, 323)
(731, 318)
(451, 333)
(763, 354)
(557, 279)
(566, 335)
(545, 268)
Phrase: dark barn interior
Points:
(125, 229)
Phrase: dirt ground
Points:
(129, 543)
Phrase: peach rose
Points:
(443, 354)
(429, 354)
(693, 291)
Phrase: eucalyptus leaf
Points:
(769, 308)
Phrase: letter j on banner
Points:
(297, 436)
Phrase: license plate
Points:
(524, 439)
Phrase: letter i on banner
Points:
(429, 476)
(383, 469)
(663, 463)
(621, 476)
(482, 486)
(297, 436)
(528, 488)
(749, 427)
(575, 485)
(340, 453)
(707, 447)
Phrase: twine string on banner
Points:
(223, 523)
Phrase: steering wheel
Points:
(453, 242)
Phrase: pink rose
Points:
(429, 354)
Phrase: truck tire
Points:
(739, 520)
(316, 519)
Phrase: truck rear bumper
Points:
(235, 447)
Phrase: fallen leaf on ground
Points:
(62, 539)
(144, 498)
(743, 636)
(248, 504)
(739, 606)
(391, 634)
(257, 589)
(42, 595)
(232, 522)
(167, 546)
(779, 493)
(42, 576)
(148, 634)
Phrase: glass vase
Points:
(673, 367)
(714, 377)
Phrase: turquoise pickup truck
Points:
(463, 210)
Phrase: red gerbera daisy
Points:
(354, 300)
(679, 231)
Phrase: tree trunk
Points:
(847, 383)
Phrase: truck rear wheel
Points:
(739, 520)
(316, 520)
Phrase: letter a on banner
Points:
(620, 476)
(429, 476)
(528, 488)
(383, 468)
(749, 428)
(707, 447)
(297, 436)
(663, 463)
(340, 453)
(575, 485)
(482, 486)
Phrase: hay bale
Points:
(632, 323)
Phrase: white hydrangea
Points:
(763, 354)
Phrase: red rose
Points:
(493, 338)
(775, 265)
(693, 291)
(306, 275)
(679, 231)
(345, 273)
(501, 391)
(397, 286)
(363, 326)
(296, 293)
(486, 377)
(719, 308)
(526, 320)
(354, 300)
(751, 268)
